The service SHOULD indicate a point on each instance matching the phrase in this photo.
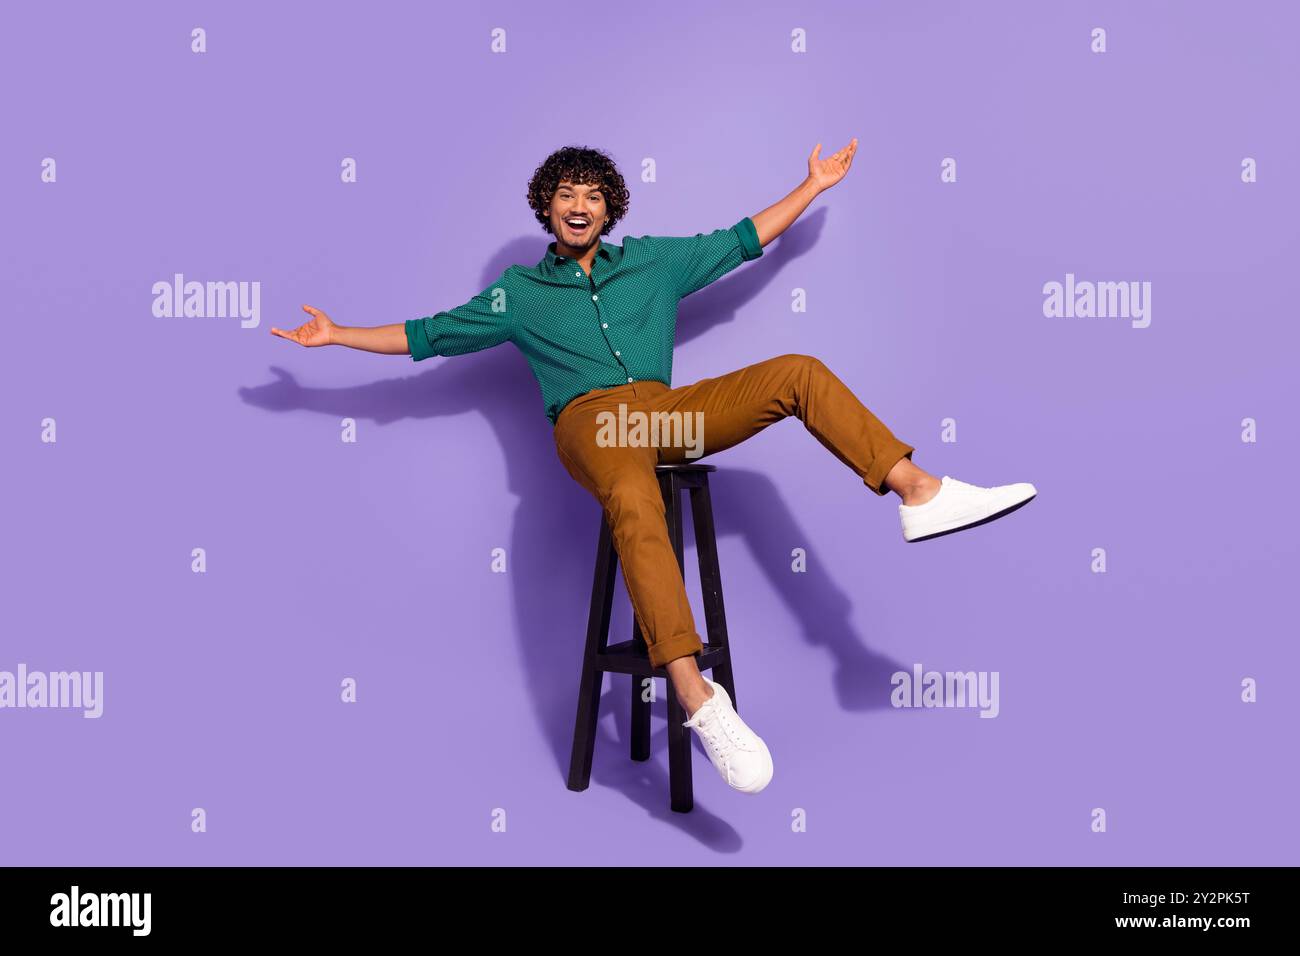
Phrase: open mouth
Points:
(578, 225)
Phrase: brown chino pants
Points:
(732, 407)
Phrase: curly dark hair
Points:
(578, 164)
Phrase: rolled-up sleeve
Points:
(695, 261)
(481, 323)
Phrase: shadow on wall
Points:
(552, 544)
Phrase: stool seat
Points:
(632, 658)
(685, 467)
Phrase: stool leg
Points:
(640, 707)
(715, 615)
(681, 791)
(602, 599)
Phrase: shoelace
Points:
(722, 750)
(721, 733)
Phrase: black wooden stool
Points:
(631, 657)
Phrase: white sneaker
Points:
(739, 754)
(959, 505)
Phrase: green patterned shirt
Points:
(581, 332)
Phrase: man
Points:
(597, 322)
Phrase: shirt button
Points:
(604, 325)
(617, 353)
(629, 380)
(577, 275)
(594, 298)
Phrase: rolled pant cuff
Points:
(884, 463)
(661, 652)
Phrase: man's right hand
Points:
(318, 331)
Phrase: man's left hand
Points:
(825, 173)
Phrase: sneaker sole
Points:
(961, 525)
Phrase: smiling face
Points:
(577, 215)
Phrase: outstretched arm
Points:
(482, 322)
(321, 330)
(822, 174)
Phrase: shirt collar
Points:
(552, 261)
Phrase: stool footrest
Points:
(626, 658)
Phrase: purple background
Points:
(328, 560)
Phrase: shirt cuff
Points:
(750, 247)
(416, 340)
